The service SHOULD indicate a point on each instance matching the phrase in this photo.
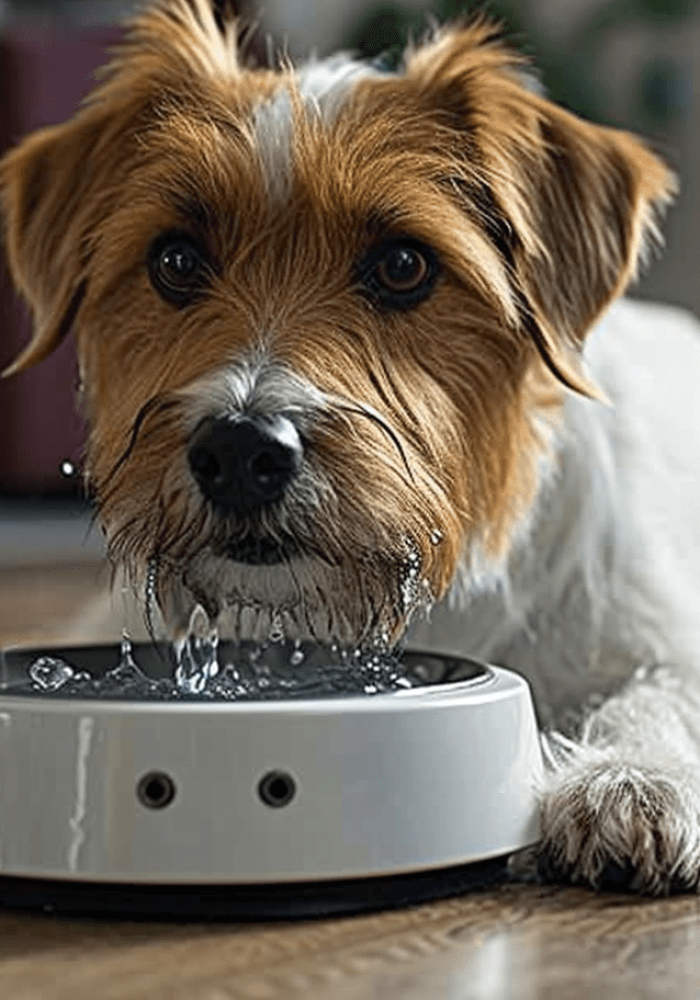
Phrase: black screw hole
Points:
(155, 790)
(277, 788)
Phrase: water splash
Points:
(127, 676)
(51, 675)
(256, 672)
(126, 668)
(196, 654)
(48, 673)
(244, 672)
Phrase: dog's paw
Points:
(612, 825)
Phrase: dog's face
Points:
(323, 317)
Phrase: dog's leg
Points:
(621, 808)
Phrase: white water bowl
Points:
(321, 802)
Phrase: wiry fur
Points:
(457, 451)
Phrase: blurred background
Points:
(634, 63)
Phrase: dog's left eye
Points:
(400, 273)
(176, 267)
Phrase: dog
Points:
(356, 365)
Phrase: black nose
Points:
(244, 462)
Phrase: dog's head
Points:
(324, 316)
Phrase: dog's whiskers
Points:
(369, 413)
(155, 405)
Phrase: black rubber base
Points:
(263, 901)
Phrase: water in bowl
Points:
(202, 668)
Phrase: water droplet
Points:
(151, 594)
(68, 468)
(276, 633)
(126, 658)
(402, 682)
(48, 673)
(436, 536)
(296, 657)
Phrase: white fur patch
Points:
(272, 127)
(324, 86)
(253, 385)
(607, 577)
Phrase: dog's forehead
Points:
(318, 89)
(261, 138)
(334, 142)
(300, 174)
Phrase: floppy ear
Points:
(46, 186)
(59, 182)
(571, 206)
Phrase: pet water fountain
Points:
(274, 789)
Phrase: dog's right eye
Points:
(177, 268)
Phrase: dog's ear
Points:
(47, 185)
(60, 182)
(571, 206)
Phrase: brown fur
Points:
(539, 220)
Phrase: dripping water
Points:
(151, 593)
(273, 667)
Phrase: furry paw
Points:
(612, 825)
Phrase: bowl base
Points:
(260, 901)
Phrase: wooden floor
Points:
(512, 941)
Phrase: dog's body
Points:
(597, 606)
(606, 578)
(340, 335)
